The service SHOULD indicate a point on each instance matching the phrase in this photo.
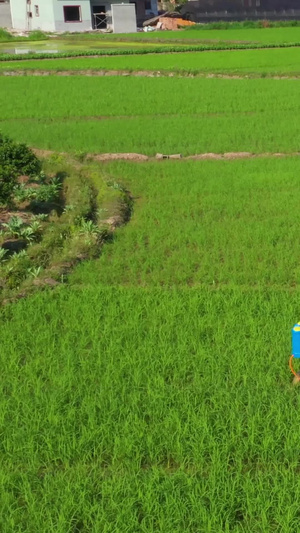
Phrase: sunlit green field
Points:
(152, 115)
(258, 35)
(151, 392)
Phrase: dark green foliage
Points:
(8, 178)
(236, 25)
(19, 157)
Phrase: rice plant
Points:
(151, 392)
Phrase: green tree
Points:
(8, 180)
(19, 157)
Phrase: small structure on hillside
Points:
(80, 16)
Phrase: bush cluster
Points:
(15, 160)
(8, 179)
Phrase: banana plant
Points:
(34, 271)
(87, 226)
(32, 231)
(14, 226)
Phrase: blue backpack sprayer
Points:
(295, 347)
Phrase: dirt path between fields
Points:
(147, 74)
(139, 158)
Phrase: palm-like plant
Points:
(14, 226)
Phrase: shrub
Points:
(5, 35)
(19, 157)
(8, 179)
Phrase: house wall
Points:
(20, 10)
(5, 16)
(124, 18)
(19, 14)
(45, 19)
(86, 18)
(49, 15)
(86, 23)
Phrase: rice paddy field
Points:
(151, 392)
(135, 115)
(257, 63)
(254, 35)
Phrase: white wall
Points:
(21, 20)
(5, 17)
(124, 18)
(86, 18)
(45, 20)
(107, 5)
(18, 14)
(51, 14)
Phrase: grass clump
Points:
(5, 36)
(36, 35)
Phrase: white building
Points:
(79, 15)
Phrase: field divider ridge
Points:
(140, 158)
(148, 74)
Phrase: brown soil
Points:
(113, 222)
(132, 156)
(5, 215)
(23, 179)
(115, 157)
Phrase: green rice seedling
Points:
(151, 392)
(204, 222)
(256, 63)
(219, 115)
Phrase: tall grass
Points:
(37, 35)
